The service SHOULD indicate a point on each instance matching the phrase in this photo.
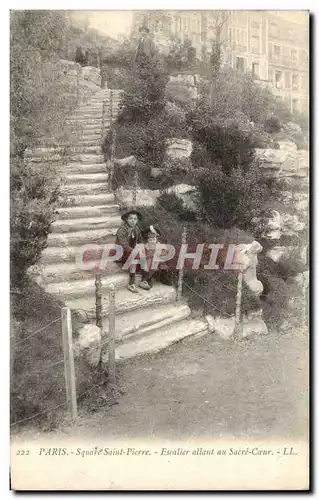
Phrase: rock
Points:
(253, 324)
(292, 128)
(211, 323)
(89, 344)
(128, 160)
(287, 145)
(179, 148)
(276, 253)
(281, 253)
(248, 261)
(290, 224)
(223, 327)
(148, 197)
(273, 228)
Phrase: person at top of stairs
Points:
(128, 235)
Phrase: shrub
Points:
(34, 196)
(272, 124)
(37, 381)
(172, 204)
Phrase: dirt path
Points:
(204, 387)
(201, 387)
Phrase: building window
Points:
(240, 64)
(255, 44)
(270, 75)
(240, 17)
(278, 79)
(255, 26)
(184, 24)
(304, 83)
(294, 56)
(277, 50)
(241, 37)
(273, 29)
(295, 105)
(198, 26)
(287, 81)
(295, 82)
(255, 69)
(303, 57)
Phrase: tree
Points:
(37, 108)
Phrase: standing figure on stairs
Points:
(127, 236)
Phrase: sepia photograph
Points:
(159, 255)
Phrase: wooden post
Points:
(181, 271)
(238, 324)
(98, 300)
(111, 369)
(135, 185)
(68, 361)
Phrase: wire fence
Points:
(27, 375)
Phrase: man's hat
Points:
(144, 28)
(151, 229)
(133, 212)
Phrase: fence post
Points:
(98, 300)
(135, 185)
(181, 271)
(111, 369)
(238, 324)
(68, 361)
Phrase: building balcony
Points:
(288, 61)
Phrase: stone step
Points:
(125, 300)
(160, 339)
(135, 324)
(87, 158)
(76, 150)
(67, 254)
(71, 271)
(79, 238)
(86, 178)
(84, 289)
(90, 141)
(89, 200)
(66, 225)
(82, 211)
(86, 168)
(81, 121)
(92, 128)
(73, 189)
(57, 255)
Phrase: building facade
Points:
(273, 48)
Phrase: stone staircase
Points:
(145, 322)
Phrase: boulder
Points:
(88, 344)
(127, 161)
(253, 324)
(223, 327)
(272, 231)
(292, 128)
(179, 148)
(290, 224)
